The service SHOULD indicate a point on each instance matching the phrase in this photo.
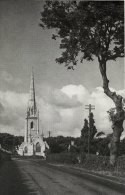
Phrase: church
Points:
(33, 141)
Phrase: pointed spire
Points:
(32, 87)
(32, 101)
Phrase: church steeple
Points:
(33, 141)
(32, 117)
(32, 101)
(32, 88)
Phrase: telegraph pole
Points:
(49, 133)
(90, 108)
(42, 134)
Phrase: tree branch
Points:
(113, 57)
(117, 99)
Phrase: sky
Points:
(61, 94)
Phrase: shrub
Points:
(64, 157)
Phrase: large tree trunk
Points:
(117, 117)
(114, 144)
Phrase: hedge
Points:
(62, 158)
(91, 162)
(4, 155)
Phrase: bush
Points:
(4, 156)
(94, 162)
(90, 162)
(64, 157)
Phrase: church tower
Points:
(33, 141)
(32, 116)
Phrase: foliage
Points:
(115, 116)
(88, 130)
(10, 142)
(93, 129)
(102, 146)
(84, 136)
(85, 129)
(4, 156)
(64, 157)
(87, 28)
(99, 144)
(59, 144)
(122, 147)
(99, 134)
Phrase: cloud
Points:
(60, 99)
(12, 117)
(78, 91)
(72, 119)
(9, 79)
(6, 76)
(68, 105)
(70, 96)
(1, 108)
(62, 111)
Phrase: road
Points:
(36, 177)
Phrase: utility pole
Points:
(42, 134)
(90, 108)
(49, 133)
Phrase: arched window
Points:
(31, 125)
(38, 147)
(25, 149)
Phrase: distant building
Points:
(33, 141)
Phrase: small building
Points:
(33, 141)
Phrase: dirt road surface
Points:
(36, 177)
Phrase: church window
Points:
(26, 150)
(38, 147)
(31, 125)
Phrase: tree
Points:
(84, 136)
(88, 132)
(102, 146)
(122, 147)
(58, 144)
(85, 129)
(90, 29)
(10, 142)
(93, 129)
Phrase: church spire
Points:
(32, 100)
(32, 88)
